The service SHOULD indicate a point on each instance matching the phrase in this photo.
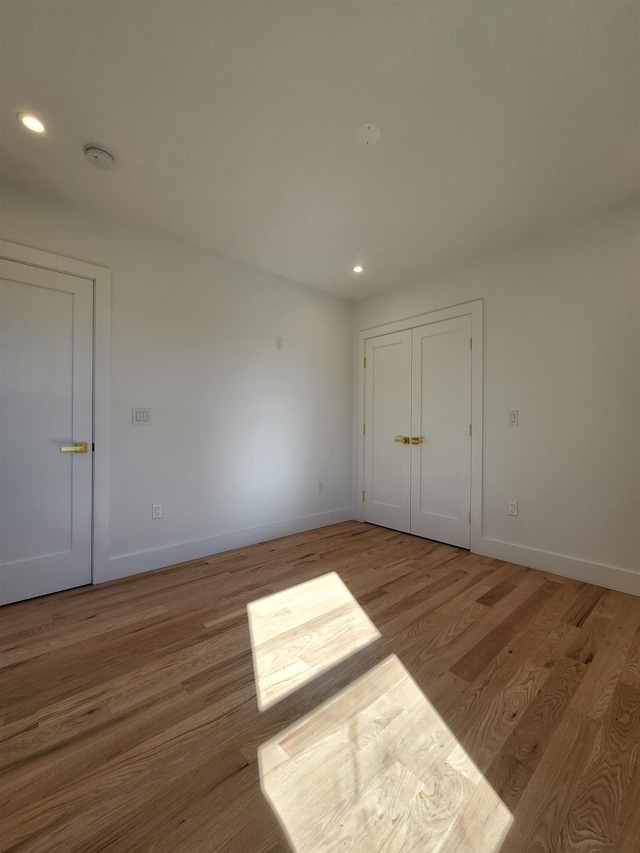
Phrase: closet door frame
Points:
(474, 309)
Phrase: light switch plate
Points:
(514, 417)
(141, 417)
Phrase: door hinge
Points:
(470, 343)
(363, 496)
(470, 430)
(365, 362)
(364, 429)
(469, 518)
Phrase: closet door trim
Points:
(474, 309)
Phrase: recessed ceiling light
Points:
(32, 123)
(358, 269)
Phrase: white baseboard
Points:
(611, 577)
(622, 580)
(157, 558)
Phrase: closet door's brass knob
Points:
(402, 439)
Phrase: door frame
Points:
(474, 309)
(100, 277)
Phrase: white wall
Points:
(241, 432)
(561, 344)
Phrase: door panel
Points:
(46, 321)
(441, 465)
(387, 416)
(418, 384)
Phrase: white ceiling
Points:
(233, 123)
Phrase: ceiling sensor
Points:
(368, 134)
(99, 157)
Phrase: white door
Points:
(46, 323)
(417, 443)
(441, 417)
(388, 424)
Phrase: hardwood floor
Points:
(129, 722)
(301, 632)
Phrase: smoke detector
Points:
(99, 157)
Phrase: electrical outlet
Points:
(156, 511)
(320, 486)
(512, 507)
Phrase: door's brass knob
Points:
(416, 440)
(79, 447)
(402, 439)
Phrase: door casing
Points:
(475, 310)
(101, 279)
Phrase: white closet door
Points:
(388, 420)
(46, 331)
(441, 464)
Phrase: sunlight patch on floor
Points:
(374, 768)
(303, 631)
